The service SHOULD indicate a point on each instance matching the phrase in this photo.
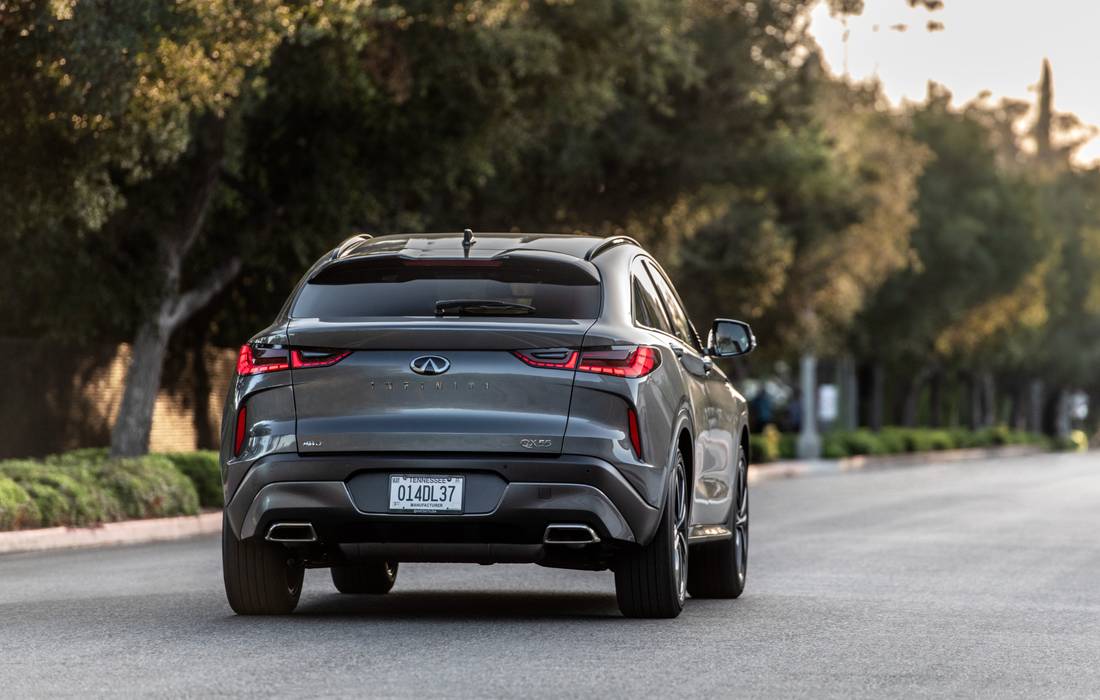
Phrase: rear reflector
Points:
(635, 434)
(242, 425)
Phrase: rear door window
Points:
(396, 287)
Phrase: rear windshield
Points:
(394, 287)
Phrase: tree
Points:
(976, 243)
(142, 102)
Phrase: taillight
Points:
(242, 425)
(259, 360)
(631, 362)
(301, 359)
(635, 433)
(549, 359)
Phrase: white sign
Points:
(827, 403)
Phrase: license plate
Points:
(426, 494)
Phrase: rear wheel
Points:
(719, 569)
(261, 578)
(651, 581)
(372, 577)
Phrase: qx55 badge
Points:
(534, 444)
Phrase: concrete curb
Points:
(798, 468)
(125, 532)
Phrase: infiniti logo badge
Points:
(430, 364)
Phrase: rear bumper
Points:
(510, 499)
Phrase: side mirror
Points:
(729, 338)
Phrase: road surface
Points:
(971, 579)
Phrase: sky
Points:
(994, 45)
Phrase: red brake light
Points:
(635, 434)
(259, 360)
(637, 362)
(238, 437)
(549, 359)
(302, 359)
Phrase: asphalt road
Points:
(976, 579)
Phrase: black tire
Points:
(261, 578)
(651, 581)
(719, 569)
(375, 577)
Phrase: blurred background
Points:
(895, 193)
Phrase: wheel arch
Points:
(684, 442)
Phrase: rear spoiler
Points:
(508, 265)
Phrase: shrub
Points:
(939, 440)
(84, 487)
(862, 442)
(204, 470)
(147, 487)
(81, 457)
(1076, 441)
(833, 446)
(17, 508)
(64, 494)
(894, 441)
(788, 446)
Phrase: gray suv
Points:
(492, 398)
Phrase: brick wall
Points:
(55, 397)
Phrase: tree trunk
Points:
(1017, 412)
(848, 384)
(912, 397)
(878, 396)
(989, 400)
(1062, 420)
(935, 400)
(1035, 406)
(974, 394)
(130, 435)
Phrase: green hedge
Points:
(204, 471)
(84, 487)
(770, 445)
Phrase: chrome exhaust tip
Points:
(291, 533)
(570, 534)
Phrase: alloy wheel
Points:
(680, 544)
(741, 521)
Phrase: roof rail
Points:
(349, 243)
(608, 244)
